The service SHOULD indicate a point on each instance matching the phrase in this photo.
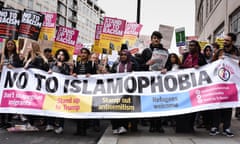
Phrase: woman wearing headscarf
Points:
(123, 65)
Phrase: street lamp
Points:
(138, 10)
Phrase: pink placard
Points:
(66, 35)
(214, 94)
(77, 48)
(49, 19)
(98, 31)
(132, 29)
(19, 99)
(113, 26)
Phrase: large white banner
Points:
(136, 94)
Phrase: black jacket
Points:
(90, 66)
(64, 69)
(39, 63)
(147, 55)
(14, 60)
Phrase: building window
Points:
(200, 18)
(207, 7)
(45, 9)
(61, 21)
(219, 32)
(70, 13)
(211, 5)
(62, 9)
(235, 24)
(38, 7)
(73, 25)
(30, 4)
(20, 1)
(70, 3)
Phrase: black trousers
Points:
(155, 123)
(185, 123)
(222, 115)
(82, 125)
(116, 123)
(5, 118)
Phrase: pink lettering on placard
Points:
(67, 35)
(78, 48)
(133, 29)
(19, 99)
(214, 94)
(113, 26)
(49, 19)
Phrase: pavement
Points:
(42, 137)
(105, 136)
(142, 136)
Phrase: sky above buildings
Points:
(176, 13)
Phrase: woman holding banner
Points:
(35, 59)
(10, 59)
(124, 64)
(192, 59)
(59, 66)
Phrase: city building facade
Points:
(215, 18)
(82, 15)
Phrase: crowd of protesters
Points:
(90, 64)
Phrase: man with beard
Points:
(224, 115)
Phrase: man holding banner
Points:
(150, 61)
(84, 67)
(224, 115)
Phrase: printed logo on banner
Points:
(224, 74)
(224, 71)
(166, 102)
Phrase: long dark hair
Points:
(169, 64)
(5, 48)
(178, 61)
(198, 47)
